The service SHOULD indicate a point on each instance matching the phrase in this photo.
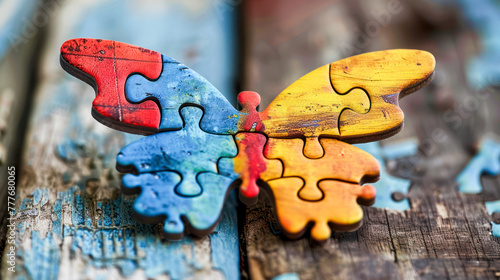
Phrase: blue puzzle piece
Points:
(188, 151)
(388, 184)
(158, 201)
(492, 207)
(178, 86)
(486, 161)
(483, 70)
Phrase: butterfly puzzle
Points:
(199, 147)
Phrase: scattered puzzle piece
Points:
(338, 209)
(188, 152)
(311, 107)
(389, 185)
(494, 207)
(486, 161)
(158, 202)
(341, 161)
(106, 65)
(250, 165)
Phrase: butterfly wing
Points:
(141, 91)
(354, 99)
(105, 65)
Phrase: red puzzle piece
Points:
(106, 65)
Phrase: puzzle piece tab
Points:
(105, 65)
(486, 161)
(158, 202)
(250, 165)
(341, 161)
(338, 209)
(188, 151)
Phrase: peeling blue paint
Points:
(119, 241)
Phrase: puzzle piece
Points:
(158, 202)
(188, 152)
(388, 184)
(386, 76)
(486, 161)
(105, 65)
(341, 161)
(494, 207)
(250, 165)
(338, 209)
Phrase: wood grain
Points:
(445, 234)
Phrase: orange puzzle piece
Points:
(338, 209)
(341, 161)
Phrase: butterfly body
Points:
(201, 146)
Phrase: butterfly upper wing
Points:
(141, 91)
(106, 65)
(354, 99)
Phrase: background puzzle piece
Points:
(341, 161)
(158, 202)
(250, 165)
(388, 184)
(487, 161)
(294, 214)
(105, 65)
(311, 107)
(188, 151)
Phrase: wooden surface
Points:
(73, 223)
(444, 234)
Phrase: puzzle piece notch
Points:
(105, 65)
(188, 151)
(386, 76)
(486, 161)
(311, 107)
(338, 210)
(493, 208)
(158, 202)
(249, 117)
(178, 86)
(250, 165)
(391, 191)
(341, 161)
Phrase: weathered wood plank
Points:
(71, 220)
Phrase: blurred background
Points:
(71, 222)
